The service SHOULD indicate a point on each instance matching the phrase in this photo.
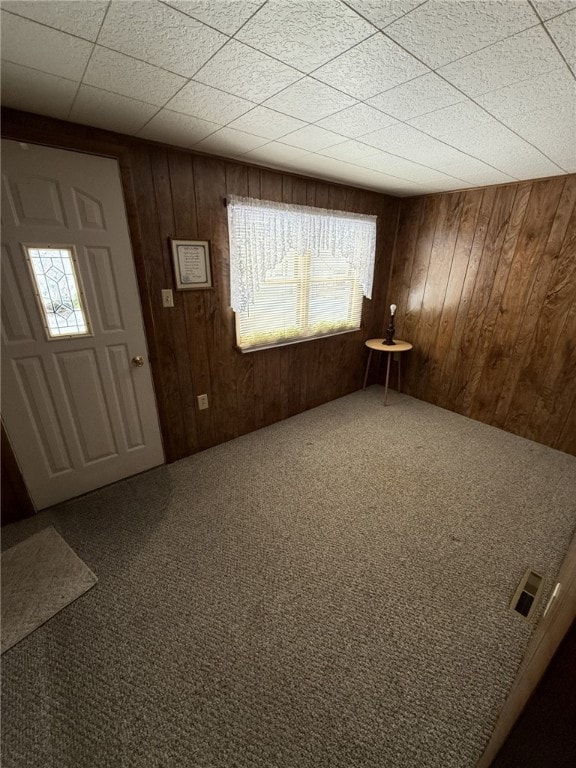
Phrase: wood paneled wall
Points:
(485, 283)
(175, 193)
(484, 280)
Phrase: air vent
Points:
(526, 596)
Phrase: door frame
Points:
(58, 134)
(543, 645)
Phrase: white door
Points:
(78, 409)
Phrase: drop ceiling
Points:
(400, 96)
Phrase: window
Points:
(296, 272)
(57, 289)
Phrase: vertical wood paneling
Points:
(545, 314)
(486, 288)
(480, 321)
(174, 193)
(194, 320)
(458, 268)
(160, 342)
(210, 185)
(180, 347)
(484, 280)
(524, 268)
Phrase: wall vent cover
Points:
(527, 595)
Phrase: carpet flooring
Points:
(329, 592)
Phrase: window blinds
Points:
(297, 272)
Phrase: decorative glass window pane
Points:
(58, 292)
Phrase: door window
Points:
(58, 291)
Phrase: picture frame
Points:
(192, 265)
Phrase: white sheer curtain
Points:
(262, 233)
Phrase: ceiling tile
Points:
(417, 97)
(310, 100)
(541, 93)
(563, 30)
(208, 103)
(373, 66)
(304, 33)
(549, 8)
(553, 131)
(267, 123)
(279, 154)
(526, 169)
(524, 56)
(33, 91)
(323, 167)
(384, 162)
(345, 173)
(481, 177)
(122, 74)
(384, 12)
(442, 123)
(349, 151)
(445, 186)
(176, 128)
(312, 138)
(368, 179)
(356, 120)
(500, 113)
(159, 35)
(75, 16)
(109, 110)
(225, 15)
(499, 147)
(407, 142)
(394, 137)
(470, 169)
(33, 45)
(230, 142)
(440, 32)
(246, 72)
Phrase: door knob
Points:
(138, 361)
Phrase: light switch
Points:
(167, 297)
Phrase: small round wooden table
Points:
(380, 346)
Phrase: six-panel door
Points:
(78, 412)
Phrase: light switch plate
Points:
(167, 297)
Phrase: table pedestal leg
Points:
(367, 369)
(387, 377)
(399, 373)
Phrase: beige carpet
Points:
(40, 576)
(329, 592)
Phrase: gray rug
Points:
(329, 592)
(40, 576)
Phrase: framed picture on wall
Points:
(192, 269)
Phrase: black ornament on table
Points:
(391, 330)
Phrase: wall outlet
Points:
(202, 402)
(167, 297)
